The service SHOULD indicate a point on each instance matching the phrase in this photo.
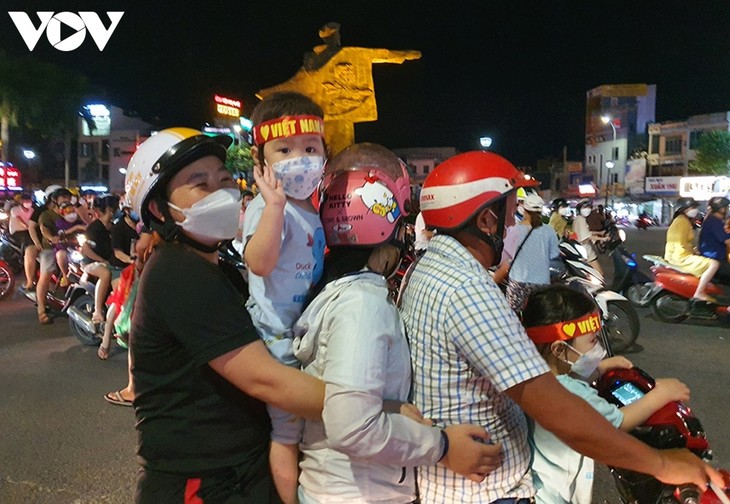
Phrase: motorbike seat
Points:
(660, 261)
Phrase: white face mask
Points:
(692, 212)
(71, 217)
(299, 176)
(585, 212)
(588, 362)
(565, 211)
(214, 217)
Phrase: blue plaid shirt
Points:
(467, 348)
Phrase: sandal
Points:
(44, 319)
(117, 398)
(103, 352)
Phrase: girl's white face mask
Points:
(585, 212)
(692, 213)
(214, 217)
(299, 176)
(588, 362)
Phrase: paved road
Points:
(60, 442)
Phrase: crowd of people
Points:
(301, 380)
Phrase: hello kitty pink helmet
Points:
(366, 192)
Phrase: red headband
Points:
(565, 330)
(288, 126)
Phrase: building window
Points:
(87, 150)
(694, 139)
(105, 173)
(614, 153)
(673, 145)
(105, 150)
(654, 146)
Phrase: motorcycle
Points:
(80, 301)
(620, 319)
(11, 251)
(627, 278)
(673, 426)
(7, 280)
(644, 222)
(671, 294)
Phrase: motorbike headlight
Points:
(582, 251)
(622, 235)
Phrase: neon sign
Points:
(9, 178)
(227, 106)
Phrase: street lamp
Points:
(606, 119)
(28, 154)
(609, 166)
(485, 142)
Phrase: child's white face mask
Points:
(588, 362)
(299, 176)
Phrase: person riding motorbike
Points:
(559, 218)
(715, 237)
(584, 235)
(99, 260)
(679, 249)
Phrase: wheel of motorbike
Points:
(7, 281)
(670, 308)
(622, 324)
(636, 293)
(84, 304)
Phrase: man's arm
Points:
(578, 425)
(252, 369)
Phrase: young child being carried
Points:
(564, 324)
(284, 245)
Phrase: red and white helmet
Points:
(366, 192)
(461, 186)
(161, 156)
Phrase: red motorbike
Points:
(7, 280)
(670, 295)
(673, 426)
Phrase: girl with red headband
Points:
(564, 325)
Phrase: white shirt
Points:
(420, 230)
(17, 213)
(279, 297)
(352, 338)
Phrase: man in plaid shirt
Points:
(472, 361)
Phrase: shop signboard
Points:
(704, 188)
(662, 186)
(9, 178)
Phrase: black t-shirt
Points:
(189, 418)
(97, 233)
(37, 211)
(122, 236)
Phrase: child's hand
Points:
(269, 186)
(617, 362)
(671, 389)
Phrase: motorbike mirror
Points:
(622, 235)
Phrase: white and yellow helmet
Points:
(161, 156)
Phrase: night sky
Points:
(514, 70)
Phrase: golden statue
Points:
(340, 80)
